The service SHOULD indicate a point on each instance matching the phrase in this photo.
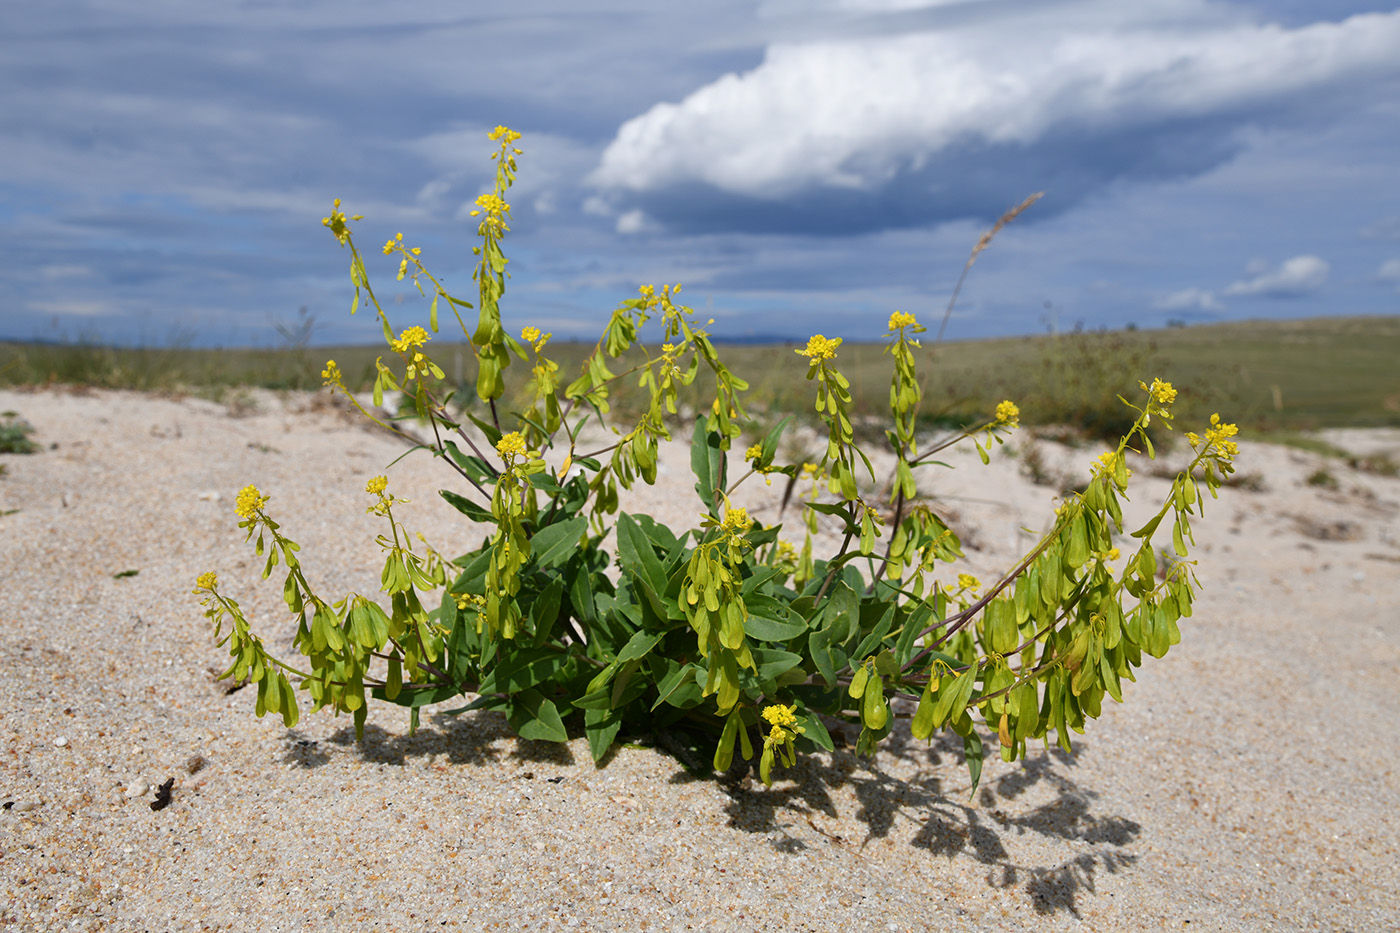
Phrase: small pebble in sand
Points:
(24, 806)
(61, 741)
(137, 788)
(194, 763)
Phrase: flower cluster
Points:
(820, 348)
(968, 582)
(511, 447)
(332, 374)
(505, 134)
(250, 502)
(1108, 463)
(375, 487)
(1008, 414)
(736, 521)
(784, 724)
(1218, 436)
(786, 557)
(337, 223)
(900, 320)
(496, 211)
(411, 339)
(206, 581)
(1162, 392)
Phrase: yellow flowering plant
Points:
(572, 616)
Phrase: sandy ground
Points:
(1248, 783)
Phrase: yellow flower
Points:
(1108, 463)
(331, 373)
(1008, 413)
(530, 334)
(736, 521)
(1193, 438)
(968, 582)
(337, 223)
(250, 501)
(377, 485)
(495, 209)
(900, 319)
(779, 715)
(820, 348)
(510, 446)
(809, 470)
(786, 557)
(1162, 392)
(411, 338)
(784, 724)
(206, 581)
(504, 132)
(1111, 554)
(754, 453)
(1219, 435)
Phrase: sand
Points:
(1248, 783)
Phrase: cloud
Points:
(841, 135)
(1387, 228)
(74, 308)
(1390, 272)
(1301, 275)
(1189, 299)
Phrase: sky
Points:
(800, 166)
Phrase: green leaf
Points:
(770, 441)
(638, 646)
(122, 574)
(819, 645)
(881, 629)
(427, 695)
(493, 433)
(770, 620)
(639, 558)
(1146, 530)
(707, 461)
(772, 663)
(601, 727)
(972, 751)
(544, 610)
(814, 730)
(468, 508)
(534, 717)
(554, 544)
(475, 467)
(679, 687)
(522, 670)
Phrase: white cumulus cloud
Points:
(1301, 275)
(1189, 299)
(855, 113)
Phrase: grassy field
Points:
(1270, 376)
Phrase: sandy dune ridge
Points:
(1248, 783)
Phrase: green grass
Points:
(1269, 376)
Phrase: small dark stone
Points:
(163, 795)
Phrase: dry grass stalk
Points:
(983, 243)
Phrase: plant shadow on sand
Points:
(930, 804)
(945, 825)
(461, 740)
